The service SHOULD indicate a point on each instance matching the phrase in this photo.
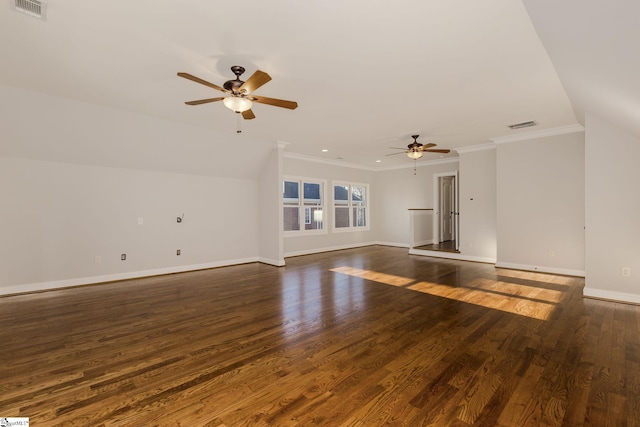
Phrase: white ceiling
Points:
(366, 74)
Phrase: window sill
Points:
(349, 229)
(304, 233)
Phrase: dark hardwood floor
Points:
(362, 337)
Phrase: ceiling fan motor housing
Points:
(234, 85)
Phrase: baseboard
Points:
(274, 262)
(423, 242)
(611, 295)
(396, 245)
(451, 255)
(541, 269)
(57, 284)
(327, 249)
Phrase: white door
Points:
(447, 208)
(445, 204)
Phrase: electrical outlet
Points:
(123, 257)
(140, 221)
(97, 259)
(625, 272)
(552, 253)
(178, 252)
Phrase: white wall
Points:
(477, 198)
(398, 190)
(50, 128)
(420, 226)
(296, 245)
(271, 246)
(74, 183)
(540, 204)
(612, 211)
(75, 178)
(56, 218)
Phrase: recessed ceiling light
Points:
(378, 161)
(324, 150)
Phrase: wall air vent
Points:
(522, 125)
(35, 8)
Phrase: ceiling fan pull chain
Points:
(239, 123)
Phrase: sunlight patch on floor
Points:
(517, 290)
(511, 304)
(536, 277)
(387, 279)
(537, 303)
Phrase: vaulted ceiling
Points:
(594, 48)
(366, 75)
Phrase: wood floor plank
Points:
(360, 337)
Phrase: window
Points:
(303, 204)
(351, 205)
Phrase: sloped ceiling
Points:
(366, 75)
(594, 47)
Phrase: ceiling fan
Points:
(415, 150)
(240, 95)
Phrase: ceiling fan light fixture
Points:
(414, 154)
(237, 104)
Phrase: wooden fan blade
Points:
(204, 101)
(425, 146)
(248, 115)
(393, 154)
(398, 148)
(256, 80)
(202, 82)
(437, 151)
(292, 105)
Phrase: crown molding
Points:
(420, 164)
(479, 147)
(539, 134)
(369, 168)
(328, 161)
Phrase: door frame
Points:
(436, 207)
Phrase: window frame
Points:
(303, 209)
(351, 206)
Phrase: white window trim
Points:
(351, 228)
(302, 232)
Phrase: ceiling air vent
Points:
(522, 125)
(35, 8)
